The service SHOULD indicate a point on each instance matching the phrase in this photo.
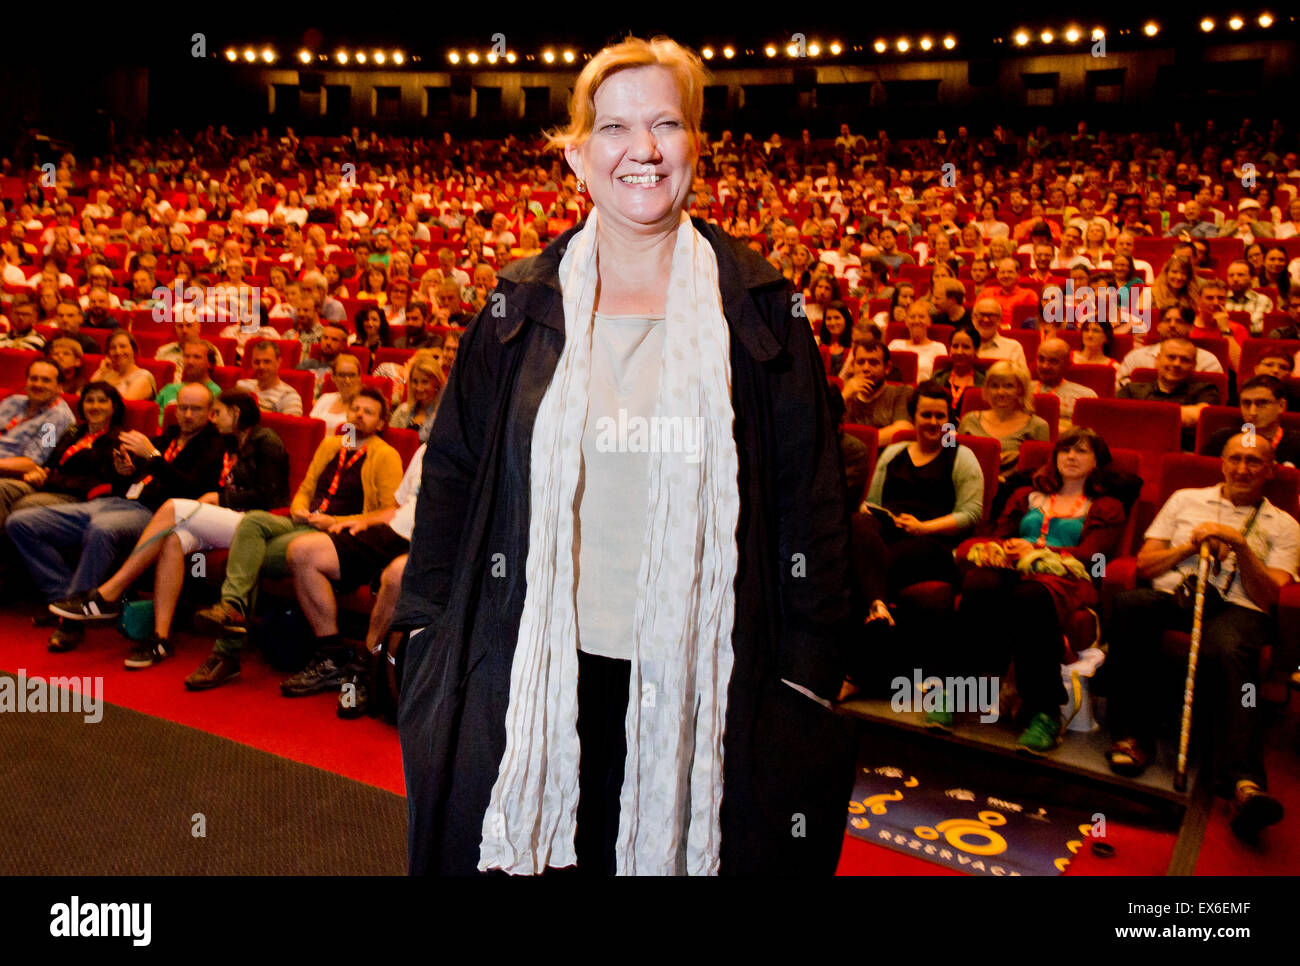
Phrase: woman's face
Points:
(1096, 236)
(961, 350)
(823, 291)
(1122, 267)
(1002, 392)
(1177, 277)
(834, 323)
(423, 387)
(226, 417)
(1255, 257)
(970, 236)
(800, 258)
(918, 321)
(639, 158)
(97, 407)
(64, 358)
(1077, 462)
(120, 354)
(1275, 262)
(1092, 337)
(931, 417)
(370, 323)
(347, 379)
(375, 279)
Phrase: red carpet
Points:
(1278, 852)
(248, 710)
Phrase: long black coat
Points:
(787, 761)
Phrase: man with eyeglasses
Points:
(1263, 401)
(987, 317)
(1254, 546)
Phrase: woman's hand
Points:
(321, 521)
(911, 524)
(36, 476)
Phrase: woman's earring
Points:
(582, 187)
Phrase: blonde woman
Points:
(120, 371)
(424, 383)
(332, 407)
(1009, 417)
(1176, 284)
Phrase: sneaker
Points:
(354, 695)
(148, 653)
(66, 637)
(86, 606)
(222, 617)
(212, 673)
(941, 717)
(1042, 735)
(1253, 810)
(321, 674)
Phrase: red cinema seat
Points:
(1152, 428)
(869, 436)
(1252, 350)
(1035, 452)
(388, 354)
(142, 416)
(1215, 418)
(1100, 379)
(151, 340)
(405, 441)
(301, 436)
(163, 371)
(907, 364)
(227, 376)
(13, 367)
(1045, 405)
(304, 381)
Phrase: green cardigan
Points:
(967, 480)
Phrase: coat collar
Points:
(531, 290)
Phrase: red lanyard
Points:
(1049, 516)
(338, 476)
(174, 448)
(85, 442)
(227, 464)
(21, 417)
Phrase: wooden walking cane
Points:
(1189, 687)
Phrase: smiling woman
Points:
(594, 712)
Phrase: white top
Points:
(925, 355)
(403, 523)
(1274, 539)
(322, 411)
(614, 481)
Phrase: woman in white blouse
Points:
(332, 407)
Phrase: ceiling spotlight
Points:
(231, 55)
(707, 53)
(949, 42)
(361, 56)
(511, 57)
(1236, 23)
(1207, 25)
(814, 49)
(880, 46)
(836, 48)
(491, 57)
(380, 57)
(268, 55)
(1151, 28)
(1072, 34)
(454, 57)
(926, 43)
(1266, 20)
(1047, 36)
(472, 57)
(1098, 33)
(304, 56)
(569, 56)
(1021, 38)
(250, 55)
(903, 45)
(792, 50)
(399, 58)
(769, 50)
(548, 55)
(728, 52)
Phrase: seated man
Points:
(868, 399)
(332, 343)
(22, 333)
(187, 331)
(352, 473)
(1242, 298)
(327, 564)
(1174, 383)
(197, 360)
(185, 461)
(987, 318)
(272, 392)
(31, 426)
(1053, 357)
(1255, 546)
(1174, 320)
(1263, 401)
(69, 317)
(1008, 292)
(419, 329)
(1287, 330)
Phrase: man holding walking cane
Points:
(1253, 547)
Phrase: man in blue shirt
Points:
(31, 424)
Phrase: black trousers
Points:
(1231, 639)
(1007, 618)
(602, 737)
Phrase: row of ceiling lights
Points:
(1071, 34)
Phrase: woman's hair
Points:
(845, 338)
(114, 397)
(1048, 477)
(72, 344)
(929, 389)
(123, 334)
(250, 414)
(1283, 283)
(426, 362)
(1002, 369)
(898, 291)
(1163, 295)
(1107, 333)
(686, 68)
(967, 330)
(359, 322)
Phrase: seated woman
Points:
(120, 371)
(255, 476)
(1010, 417)
(332, 407)
(836, 332)
(1073, 508)
(372, 330)
(374, 285)
(1098, 343)
(903, 296)
(931, 495)
(819, 298)
(919, 316)
(961, 372)
(67, 354)
(423, 391)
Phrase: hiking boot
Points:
(320, 675)
(354, 694)
(86, 606)
(1042, 735)
(212, 673)
(148, 653)
(1253, 810)
(66, 637)
(223, 617)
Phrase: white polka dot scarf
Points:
(677, 699)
